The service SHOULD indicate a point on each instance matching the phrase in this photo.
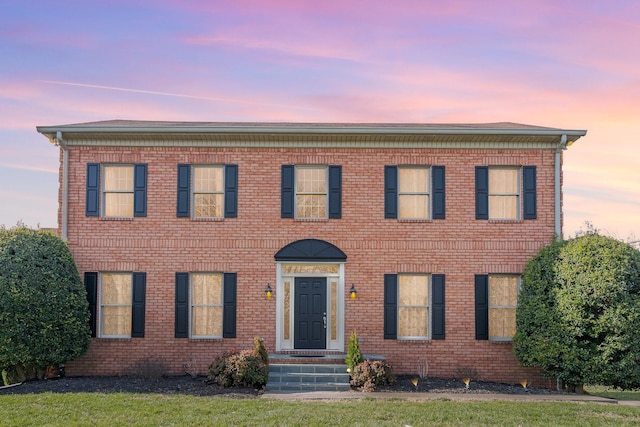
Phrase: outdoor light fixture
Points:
(268, 291)
(353, 292)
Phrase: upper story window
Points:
(506, 193)
(414, 192)
(207, 191)
(496, 300)
(414, 306)
(116, 190)
(311, 192)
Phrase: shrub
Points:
(367, 375)
(239, 369)
(260, 351)
(354, 356)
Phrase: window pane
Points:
(208, 205)
(502, 322)
(312, 206)
(207, 321)
(503, 207)
(503, 291)
(287, 310)
(334, 310)
(413, 206)
(118, 204)
(208, 179)
(116, 288)
(118, 178)
(412, 322)
(413, 290)
(414, 180)
(503, 181)
(207, 289)
(311, 180)
(116, 320)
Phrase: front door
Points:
(310, 313)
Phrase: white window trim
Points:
(104, 192)
(101, 306)
(191, 305)
(428, 307)
(192, 187)
(489, 307)
(428, 193)
(325, 194)
(518, 194)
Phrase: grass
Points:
(613, 393)
(120, 409)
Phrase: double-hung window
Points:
(207, 191)
(496, 304)
(116, 303)
(414, 192)
(414, 306)
(311, 191)
(205, 305)
(116, 190)
(506, 193)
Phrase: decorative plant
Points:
(260, 351)
(354, 356)
(366, 376)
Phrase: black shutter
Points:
(93, 190)
(482, 192)
(391, 192)
(181, 329)
(231, 191)
(438, 187)
(140, 190)
(184, 190)
(137, 305)
(529, 186)
(229, 308)
(437, 310)
(286, 203)
(91, 285)
(335, 191)
(482, 306)
(390, 306)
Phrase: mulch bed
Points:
(198, 386)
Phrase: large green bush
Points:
(578, 312)
(44, 315)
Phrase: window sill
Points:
(501, 341)
(410, 341)
(506, 221)
(311, 219)
(207, 219)
(219, 339)
(414, 220)
(115, 218)
(106, 339)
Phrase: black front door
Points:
(310, 313)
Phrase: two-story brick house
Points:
(181, 229)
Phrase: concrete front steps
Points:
(291, 374)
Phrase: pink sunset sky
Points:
(564, 64)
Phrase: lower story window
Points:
(206, 305)
(413, 306)
(503, 301)
(115, 305)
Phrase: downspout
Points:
(558, 187)
(65, 186)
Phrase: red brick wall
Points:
(161, 244)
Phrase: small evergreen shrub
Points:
(366, 376)
(239, 369)
(260, 351)
(354, 356)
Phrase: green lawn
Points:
(82, 409)
(604, 391)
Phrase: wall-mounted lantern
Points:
(268, 291)
(353, 292)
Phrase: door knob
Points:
(324, 319)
